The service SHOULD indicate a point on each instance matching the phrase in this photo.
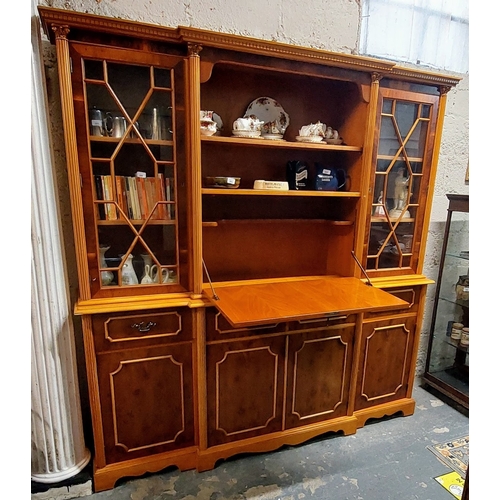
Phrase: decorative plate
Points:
(309, 138)
(268, 110)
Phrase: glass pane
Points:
(134, 170)
(398, 183)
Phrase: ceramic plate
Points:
(247, 133)
(310, 138)
(273, 137)
(333, 141)
(268, 110)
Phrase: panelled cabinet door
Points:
(130, 120)
(146, 398)
(244, 389)
(318, 375)
(385, 362)
(402, 166)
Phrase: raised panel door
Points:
(244, 389)
(385, 362)
(146, 398)
(318, 375)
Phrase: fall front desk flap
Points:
(255, 304)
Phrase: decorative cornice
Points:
(195, 38)
(103, 24)
(425, 76)
(281, 50)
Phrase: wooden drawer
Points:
(219, 328)
(408, 294)
(127, 330)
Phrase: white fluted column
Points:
(58, 449)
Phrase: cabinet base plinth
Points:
(106, 477)
(270, 442)
(405, 406)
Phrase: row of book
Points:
(137, 196)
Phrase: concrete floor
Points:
(385, 460)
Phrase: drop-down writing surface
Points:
(256, 304)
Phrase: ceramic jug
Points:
(127, 272)
(106, 276)
(147, 279)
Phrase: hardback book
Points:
(99, 195)
(108, 195)
(141, 194)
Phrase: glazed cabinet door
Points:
(130, 120)
(385, 366)
(401, 174)
(245, 382)
(318, 375)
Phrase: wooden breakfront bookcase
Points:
(257, 327)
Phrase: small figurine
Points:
(400, 195)
(379, 209)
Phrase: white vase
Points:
(128, 273)
(106, 276)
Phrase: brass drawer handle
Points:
(142, 327)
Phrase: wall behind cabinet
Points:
(324, 24)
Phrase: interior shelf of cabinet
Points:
(459, 302)
(276, 221)
(136, 222)
(457, 345)
(392, 219)
(116, 140)
(273, 192)
(261, 142)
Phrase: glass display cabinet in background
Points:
(447, 365)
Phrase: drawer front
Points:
(127, 330)
(408, 294)
(219, 328)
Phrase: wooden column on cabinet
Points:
(194, 162)
(68, 116)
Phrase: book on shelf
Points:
(110, 208)
(151, 197)
(140, 182)
(161, 196)
(99, 195)
(121, 195)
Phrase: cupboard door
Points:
(146, 398)
(130, 120)
(244, 389)
(402, 165)
(385, 362)
(318, 375)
